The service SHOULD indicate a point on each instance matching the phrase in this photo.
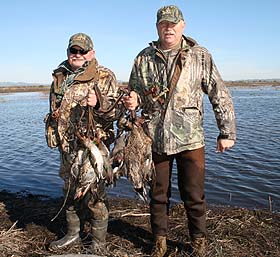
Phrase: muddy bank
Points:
(26, 229)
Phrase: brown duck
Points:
(132, 154)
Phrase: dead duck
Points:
(132, 154)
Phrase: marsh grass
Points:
(26, 230)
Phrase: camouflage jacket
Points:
(174, 118)
(68, 97)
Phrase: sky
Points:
(243, 36)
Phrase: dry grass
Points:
(26, 230)
(13, 241)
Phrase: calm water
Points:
(247, 176)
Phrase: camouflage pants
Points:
(191, 174)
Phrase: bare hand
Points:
(224, 144)
(92, 99)
(131, 101)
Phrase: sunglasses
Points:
(73, 50)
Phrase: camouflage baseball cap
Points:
(169, 13)
(82, 40)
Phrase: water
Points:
(246, 176)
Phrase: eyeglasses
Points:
(73, 50)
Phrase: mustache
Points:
(168, 33)
(77, 59)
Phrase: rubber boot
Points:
(160, 247)
(99, 224)
(198, 247)
(73, 229)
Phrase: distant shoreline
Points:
(18, 89)
(253, 83)
(46, 88)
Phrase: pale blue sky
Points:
(242, 35)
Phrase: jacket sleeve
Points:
(220, 99)
(108, 93)
(136, 81)
(52, 98)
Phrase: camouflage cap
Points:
(169, 13)
(82, 40)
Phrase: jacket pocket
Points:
(185, 124)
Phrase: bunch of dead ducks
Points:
(131, 157)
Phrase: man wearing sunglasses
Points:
(80, 92)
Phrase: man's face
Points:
(78, 56)
(170, 34)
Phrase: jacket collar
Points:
(86, 73)
(89, 73)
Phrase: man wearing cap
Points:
(83, 106)
(168, 81)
